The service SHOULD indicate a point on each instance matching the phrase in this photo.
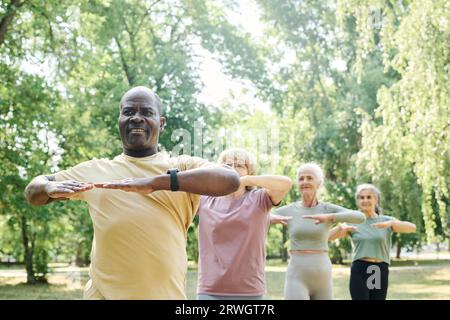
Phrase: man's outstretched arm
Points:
(213, 180)
(43, 190)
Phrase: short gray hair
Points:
(315, 169)
(375, 190)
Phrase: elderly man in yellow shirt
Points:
(139, 246)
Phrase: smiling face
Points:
(140, 121)
(240, 160)
(238, 166)
(366, 200)
(308, 183)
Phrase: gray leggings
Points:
(308, 277)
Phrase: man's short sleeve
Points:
(185, 162)
(81, 172)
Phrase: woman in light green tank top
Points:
(309, 273)
(371, 242)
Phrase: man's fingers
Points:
(62, 193)
(117, 186)
(77, 187)
(80, 188)
(104, 185)
(87, 187)
(127, 185)
(109, 185)
(75, 183)
(65, 190)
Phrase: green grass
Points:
(38, 292)
(429, 279)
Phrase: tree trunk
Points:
(79, 259)
(284, 253)
(8, 17)
(28, 252)
(399, 250)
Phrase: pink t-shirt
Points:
(232, 235)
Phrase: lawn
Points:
(409, 279)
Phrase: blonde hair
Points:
(239, 156)
(375, 190)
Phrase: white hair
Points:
(375, 191)
(315, 169)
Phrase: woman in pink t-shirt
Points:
(232, 232)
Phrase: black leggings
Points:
(369, 283)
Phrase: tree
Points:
(320, 98)
(96, 50)
(27, 107)
(409, 133)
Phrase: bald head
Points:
(140, 122)
(142, 94)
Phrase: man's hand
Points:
(277, 219)
(66, 189)
(320, 218)
(383, 225)
(141, 185)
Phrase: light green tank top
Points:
(304, 234)
(370, 242)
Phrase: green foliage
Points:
(91, 53)
(359, 87)
(27, 107)
(410, 129)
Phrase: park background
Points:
(359, 87)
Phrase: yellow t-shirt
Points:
(139, 246)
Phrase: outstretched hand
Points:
(66, 189)
(347, 229)
(277, 219)
(344, 229)
(141, 185)
(320, 218)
